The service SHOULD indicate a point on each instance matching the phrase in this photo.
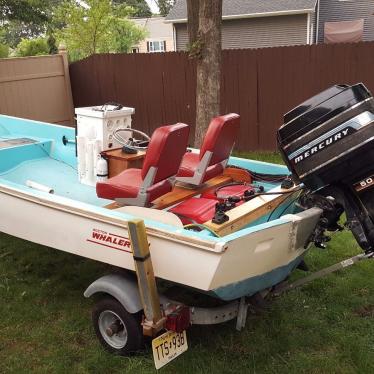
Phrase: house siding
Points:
(142, 46)
(157, 30)
(256, 32)
(347, 10)
(313, 20)
(181, 36)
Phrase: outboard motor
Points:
(328, 144)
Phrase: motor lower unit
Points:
(328, 144)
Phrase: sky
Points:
(153, 6)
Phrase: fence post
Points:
(64, 56)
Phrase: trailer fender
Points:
(122, 288)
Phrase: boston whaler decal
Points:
(114, 241)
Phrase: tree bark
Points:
(192, 20)
(208, 66)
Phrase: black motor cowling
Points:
(328, 144)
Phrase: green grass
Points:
(273, 157)
(325, 327)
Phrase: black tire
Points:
(129, 339)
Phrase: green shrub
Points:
(32, 47)
(4, 50)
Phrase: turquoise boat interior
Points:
(32, 150)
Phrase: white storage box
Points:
(95, 128)
(99, 123)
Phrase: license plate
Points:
(168, 346)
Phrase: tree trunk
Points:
(193, 21)
(208, 66)
(204, 35)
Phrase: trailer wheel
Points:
(118, 331)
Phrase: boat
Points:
(219, 225)
(75, 220)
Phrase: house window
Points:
(135, 50)
(156, 46)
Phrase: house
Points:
(346, 10)
(254, 23)
(159, 35)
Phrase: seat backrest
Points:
(220, 137)
(166, 148)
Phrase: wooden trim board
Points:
(238, 175)
(248, 212)
(117, 154)
(179, 193)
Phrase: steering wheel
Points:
(132, 143)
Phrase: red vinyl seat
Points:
(195, 210)
(202, 209)
(196, 168)
(156, 178)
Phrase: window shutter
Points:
(164, 45)
(147, 46)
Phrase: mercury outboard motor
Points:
(328, 144)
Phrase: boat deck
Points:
(61, 177)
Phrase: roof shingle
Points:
(246, 7)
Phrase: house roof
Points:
(247, 8)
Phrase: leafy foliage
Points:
(125, 35)
(51, 42)
(98, 28)
(4, 50)
(26, 19)
(27, 11)
(140, 7)
(32, 47)
(164, 6)
(17, 30)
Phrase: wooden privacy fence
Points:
(259, 84)
(37, 88)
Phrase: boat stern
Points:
(260, 257)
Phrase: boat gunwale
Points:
(217, 246)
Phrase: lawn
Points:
(325, 327)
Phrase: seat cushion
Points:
(166, 149)
(127, 185)
(220, 137)
(190, 163)
(197, 210)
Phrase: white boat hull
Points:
(199, 263)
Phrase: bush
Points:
(32, 47)
(4, 50)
